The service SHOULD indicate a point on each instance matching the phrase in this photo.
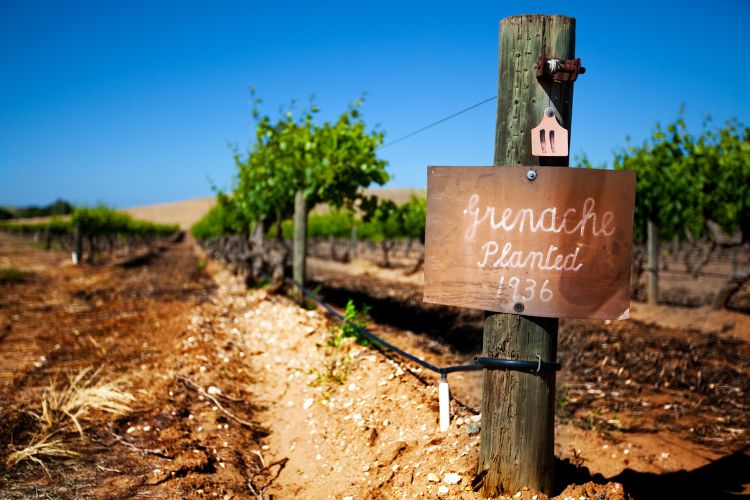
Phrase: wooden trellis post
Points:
(518, 408)
(300, 243)
(652, 262)
(77, 244)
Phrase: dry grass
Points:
(44, 447)
(81, 397)
(67, 410)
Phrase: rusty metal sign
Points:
(538, 241)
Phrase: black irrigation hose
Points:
(517, 364)
(481, 362)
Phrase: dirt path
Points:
(371, 433)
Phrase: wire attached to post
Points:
(517, 364)
(481, 363)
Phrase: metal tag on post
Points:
(549, 138)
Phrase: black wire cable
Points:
(517, 364)
(391, 143)
(481, 362)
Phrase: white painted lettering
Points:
(518, 259)
(491, 249)
(525, 219)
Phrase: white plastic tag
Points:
(445, 400)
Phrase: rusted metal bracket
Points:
(559, 70)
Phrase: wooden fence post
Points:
(353, 242)
(77, 244)
(652, 262)
(300, 242)
(518, 408)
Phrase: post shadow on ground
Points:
(722, 478)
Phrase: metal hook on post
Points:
(559, 70)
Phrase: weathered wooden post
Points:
(532, 243)
(353, 242)
(518, 408)
(300, 242)
(652, 262)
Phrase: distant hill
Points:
(184, 213)
(188, 212)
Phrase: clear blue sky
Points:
(136, 102)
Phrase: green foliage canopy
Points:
(224, 218)
(721, 163)
(336, 223)
(58, 207)
(94, 221)
(665, 191)
(684, 181)
(330, 162)
(101, 220)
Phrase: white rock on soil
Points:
(432, 478)
(451, 478)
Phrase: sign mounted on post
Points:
(537, 241)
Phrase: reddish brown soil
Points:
(639, 400)
(131, 321)
(233, 401)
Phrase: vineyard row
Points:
(92, 229)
